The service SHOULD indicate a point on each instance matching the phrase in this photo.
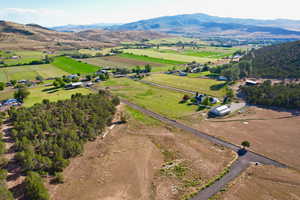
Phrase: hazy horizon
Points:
(76, 12)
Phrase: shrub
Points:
(34, 187)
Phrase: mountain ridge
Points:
(34, 36)
(197, 24)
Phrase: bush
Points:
(2, 86)
(21, 93)
(34, 187)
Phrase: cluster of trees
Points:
(5, 194)
(34, 187)
(276, 61)
(139, 70)
(48, 134)
(82, 55)
(281, 94)
(234, 71)
(61, 82)
(2, 86)
(21, 93)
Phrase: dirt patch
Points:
(263, 183)
(128, 164)
(272, 133)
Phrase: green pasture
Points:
(29, 72)
(38, 94)
(159, 100)
(206, 86)
(73, 66)
(138, 55)
(168, 56)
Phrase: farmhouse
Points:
(222, 78)
(11, 102)
(101, 72)
(89, 84)
(72, 76)
(15, 57)
(220, 110)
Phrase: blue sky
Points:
(60, 12)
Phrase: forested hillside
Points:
(276, 61)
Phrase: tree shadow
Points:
(218, 86)
(18, 191)
(50, 89)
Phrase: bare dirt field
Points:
(275, 134)
(264, 183)
(138, 161)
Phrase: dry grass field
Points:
(264, 183)
(272, 133)
(142, 159)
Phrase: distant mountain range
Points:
(208, 26)
(33, 36)
(77, 28)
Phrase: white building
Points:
(74, 85)
(220, 110)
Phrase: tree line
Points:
(281, 94)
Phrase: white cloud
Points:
(39, 16)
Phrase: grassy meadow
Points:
(168, 56)
(29, 72)
(38, 94)
(162, 101)
(143, 57)
(72, 66)
(25, 57)
(207, 86)
(131, 61)
(7, 93)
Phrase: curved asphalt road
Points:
(241, 164)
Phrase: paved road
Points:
(238, 166)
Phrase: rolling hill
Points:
(33, 36)
(208, 26)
